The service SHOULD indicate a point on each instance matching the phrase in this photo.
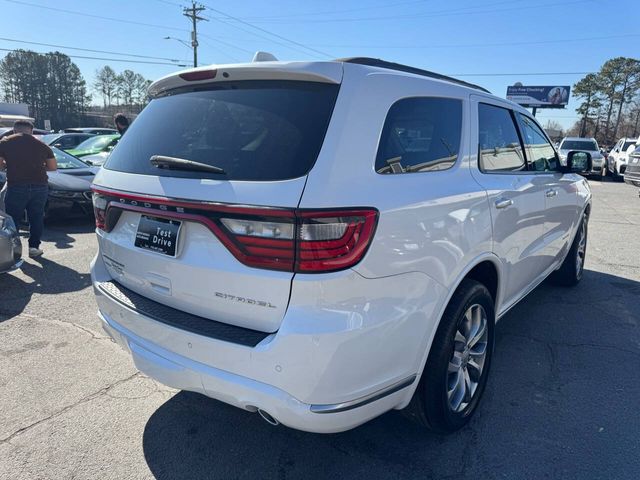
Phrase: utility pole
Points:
(192, 13)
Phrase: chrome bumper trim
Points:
(359, 402)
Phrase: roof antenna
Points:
(264, 57)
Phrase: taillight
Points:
(312, 242)
(199, 75)
(333, 240)
(100, 203)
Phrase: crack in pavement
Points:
(572, 345)
(31, 316)
(84, 399)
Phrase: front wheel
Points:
(572, 268)
(457, 367)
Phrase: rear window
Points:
(260, 131)
(420, 134)
(579, 145)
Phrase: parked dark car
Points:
(65, 141)
(69, 186)
(10, 246)
(91, 130)
(632, 172)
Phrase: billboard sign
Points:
(540, 97)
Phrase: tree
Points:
(588, 89)
(51, 84)
(106, 83)
(630, 73)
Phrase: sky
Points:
(493, 43)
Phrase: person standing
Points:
(27, 161)
(122, 123)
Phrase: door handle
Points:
(504, 202)
(551, 193)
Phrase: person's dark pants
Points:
(33, 199)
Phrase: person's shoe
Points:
(35, 252)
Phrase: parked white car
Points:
(619, 156)
(323, 242)
(590, 145)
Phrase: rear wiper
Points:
(174, 163)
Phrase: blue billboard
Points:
(540, 97)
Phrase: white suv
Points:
(324, 242)
(619, 156)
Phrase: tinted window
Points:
(627, 144)
(540, 154)
(589, 145)
(268, 130)
(420, 134)
(499, 144)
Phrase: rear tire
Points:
(572, 268)
(458, 364)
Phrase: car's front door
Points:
(516, 197)
(561, 200)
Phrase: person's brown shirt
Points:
(25, 157)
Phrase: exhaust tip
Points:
(268, 418)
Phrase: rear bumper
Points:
(632, 178)
(185, 374)
(329, 368)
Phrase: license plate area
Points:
(158, 234)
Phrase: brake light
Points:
(100, 210)
(312, 242)
(199, 75)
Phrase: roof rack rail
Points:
(376, 62)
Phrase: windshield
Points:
(589, 145)
(67, 161)
(98, 142)
(253, 130)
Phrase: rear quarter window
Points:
(257, 131)
(420, 134)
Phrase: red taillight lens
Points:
(317, 241)
(100, 210)
(333, 240)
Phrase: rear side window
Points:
(420, 134)
(500, 149)
(260, 131)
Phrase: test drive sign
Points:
(540, 97)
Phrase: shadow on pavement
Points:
(49, 278)
(560, 403)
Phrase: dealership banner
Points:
(541, 97)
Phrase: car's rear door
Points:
(516, 196)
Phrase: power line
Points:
(478, 45)
(100, 17)
(268, 32)
(124, 60)
(88, 50)
(432, 14)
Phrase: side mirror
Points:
(57, 145)
(578, 162)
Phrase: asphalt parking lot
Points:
(562, 400)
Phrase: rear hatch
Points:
(215, 242)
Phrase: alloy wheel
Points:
(468, 359)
